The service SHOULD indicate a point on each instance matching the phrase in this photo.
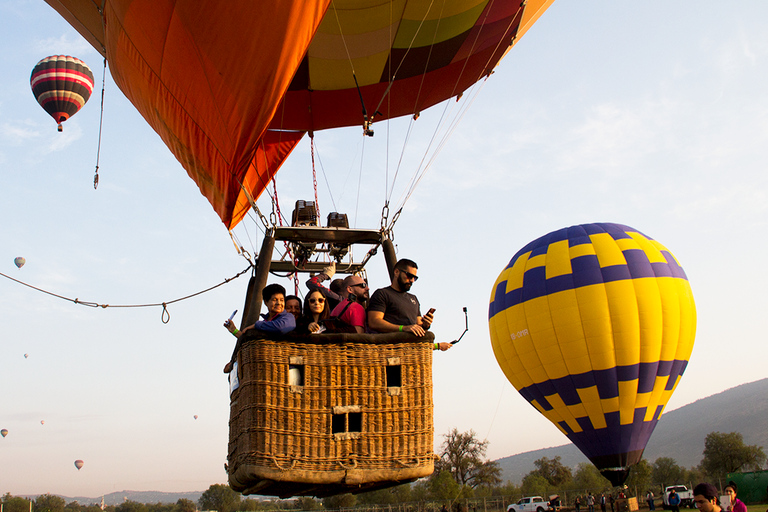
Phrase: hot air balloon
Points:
(79, 464)
(42, 422)
(19, 261)
(594, 325)
(254, 81)
(4, 432)
(61, 85)
(195, 416)
(26, 356)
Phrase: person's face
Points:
(276, 304)
(293, 306)
(316, 302)
(406, 278)
(703, 504)
(359, 288)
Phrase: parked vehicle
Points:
(686, 496)
(529, 504)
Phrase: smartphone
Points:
(431, 311)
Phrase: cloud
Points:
(16, 134)
(66, 44)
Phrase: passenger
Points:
(736, 504)
(316, 284)
(705, 498)
(315, 311)
(276, 320)
(351, 310)
(393, 309)
(293, 306)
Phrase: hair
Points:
(733, 486)
(707, 490)
(270, 290)
(307, 313)
(294, 297)
(337, 285)
(404, 263)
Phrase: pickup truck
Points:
(529, 504)
(686, 496)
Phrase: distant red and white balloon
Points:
(195, 416)
(19, 261)
(42, 422)
(78, 464)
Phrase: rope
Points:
(314, 174)
(165, 317)
(101, 122)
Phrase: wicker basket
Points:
(331, 413)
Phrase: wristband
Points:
(401, 328)
(234, 333)
(437, 346)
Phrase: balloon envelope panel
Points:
(594, 325)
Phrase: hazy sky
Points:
(653, 115)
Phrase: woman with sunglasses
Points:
(315, 311)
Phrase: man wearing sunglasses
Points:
(393, 309)
(350, 310)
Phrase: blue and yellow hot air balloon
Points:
(594, 324)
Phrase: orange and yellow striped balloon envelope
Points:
(594, 325)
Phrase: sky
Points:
(630, 112)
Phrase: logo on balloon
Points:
(594, 325)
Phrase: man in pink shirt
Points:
(350, 310)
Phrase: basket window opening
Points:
(347, 422)
(394, 376)
(296, 374)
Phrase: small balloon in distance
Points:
(26, 356)
(195, 416)
(19, 261)
(42, 422)
(78, 464)
(4, 432)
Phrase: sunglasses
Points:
(409, 275)
(364, 285)
(317, 301)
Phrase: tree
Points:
(219, 497)
(535, 485)
(307, 503)
(49, 503)
(640, 477)
(339, 501)
(589, 478)
(185, 505)
(665, 471)
(131, 506)
(727, 453)
(552, 470)
(463, 457)
(73, 506)
(15, 504)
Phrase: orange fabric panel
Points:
(272, 151)
(207, 76)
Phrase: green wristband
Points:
(234, 333)
(401, 328)
(437, 347)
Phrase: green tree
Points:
(588, 478)
(397, 494)
(339, 501)
(463, 457)
(219, 497)
(640, 477)
(727, 453)
(15, 504)
(665, 471)
(553, 471)
(73, 506)
(131, 506)
(49, 503)
(443, 486)
(185, 505)
(535, 485)
(307, 503)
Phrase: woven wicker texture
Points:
(341, 411)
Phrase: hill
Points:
(679, 434)
(116, 498)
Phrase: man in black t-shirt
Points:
(393, 309)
